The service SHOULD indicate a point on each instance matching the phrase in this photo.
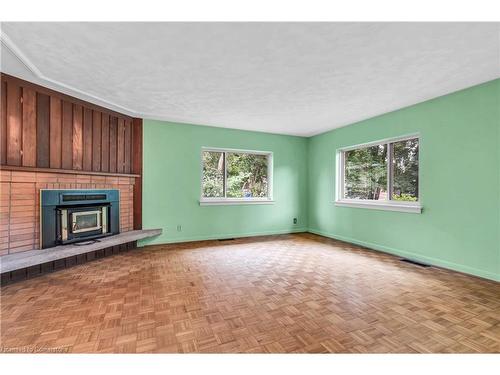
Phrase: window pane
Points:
(246, 175)
(405, 169)
(213, 174)
(366, 173)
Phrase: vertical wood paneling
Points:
(113, 130)
(120, 147)
(105, 143)
(77, 137)
(14, 130)
(87, 139)
(128, 146)
(67, 135)
(137, 169)
(42, 130)
(55, 132)
(96, 141)
(29, 154)
(45, 129)
(3, 131)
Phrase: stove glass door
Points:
(85, 221)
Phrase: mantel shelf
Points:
(65, 171)
(13, 262)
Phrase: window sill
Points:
(224, 202)
(385, 206)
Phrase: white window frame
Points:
(204, 201)
(388, 204)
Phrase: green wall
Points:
(460, 183)
(171, 184)
(459, 227)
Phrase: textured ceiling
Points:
(289, 78)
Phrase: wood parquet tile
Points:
(278, 294)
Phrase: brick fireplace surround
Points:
(20, 203)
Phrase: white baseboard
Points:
(221, 236)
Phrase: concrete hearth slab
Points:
(13, 262)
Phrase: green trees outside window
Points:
(366, 173)
(405, 170)
(235, 175)
(213, 174)
(387, 171)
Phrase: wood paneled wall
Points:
(42, 128)
(137, 168)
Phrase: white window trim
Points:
(233, 201)
(387, 205)
(237, 201)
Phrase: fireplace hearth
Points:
(70, 216)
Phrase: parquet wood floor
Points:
(293, 293)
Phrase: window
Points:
(235, 176)
(366, 173)
(380, 175)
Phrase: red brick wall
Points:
(20, 206)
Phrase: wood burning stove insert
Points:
(68, 216)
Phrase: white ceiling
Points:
(289, 78)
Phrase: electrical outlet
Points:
(295, 220)
(179, 228)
